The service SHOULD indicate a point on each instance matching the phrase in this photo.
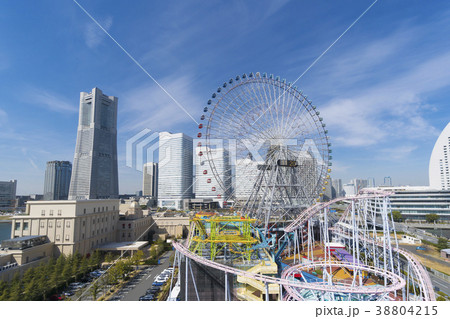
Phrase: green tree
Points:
(95, 289)
(440, 298)
(137, 257)
(15, 293)
(67, 269)
(397, 216)
(109, 257)
(431, 218)
(442, 243)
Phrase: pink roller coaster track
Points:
(396, 281)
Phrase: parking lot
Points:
(138, 286)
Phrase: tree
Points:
(95, 288)
(137, 257)
(397, 216)
(431, 218)
(109, 257)
(442, 243)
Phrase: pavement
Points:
(412, 249)
(440, 283)
(138, 285)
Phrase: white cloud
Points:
(395, 108)
(93, 34)
(150, 107)
(50, 100)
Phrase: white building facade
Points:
(150, 180)
(438, 171)
(175, 169)
(206, 184)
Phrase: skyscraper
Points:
(338, 188)
(438, 171)
(246, 176)
(206, 185)
(174, 169)
(359, 184)
(387, 181)
(94, 173)
(57, 180)
(150, 180)
(8, 194)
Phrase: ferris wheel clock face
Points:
(264, 127)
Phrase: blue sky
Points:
(383, 89)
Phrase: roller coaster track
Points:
(420, 271)
(397, 282)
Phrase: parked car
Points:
(146, 298)
(153, 290)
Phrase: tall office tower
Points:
(438, 171)
(57, 180)
(349, 189)
(387, 181)
(8, 194)
(206, 185)
(245, 179)
(359, 184)
(337, 185)
(94, 173)
(174, 169)
(150, 180)
(371, 182)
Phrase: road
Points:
(137, 287)
(443, 285)
(440, 283)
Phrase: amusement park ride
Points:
(280, 242)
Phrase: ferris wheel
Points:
(265, 146)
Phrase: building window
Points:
(94, 209)
(51, 212)
(68, 224)
(43, 212)
(67, 237)
(93, 233)
(114, 207)
(42, 225)
(129, 225)
(59, 212)
(57, 238)
(129, 235)
(58, 224)
(17, 226)
(84, 223)
(84, 211)
(106, 208)
(82, 236)
(93, 221)
(50, 224)
(25, 225)
(103, 208)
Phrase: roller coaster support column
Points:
(267, 291)
(226, 286)
(186, 281)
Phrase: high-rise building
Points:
(57, 180)
(206, 185)
(349, 189)
(359, 184)
(8, 194)
(371, 182)
(246, 176)
(438, 170)
(175, 169)
(94, 173)
(150, 180)
(337, 185)
(387, 181)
